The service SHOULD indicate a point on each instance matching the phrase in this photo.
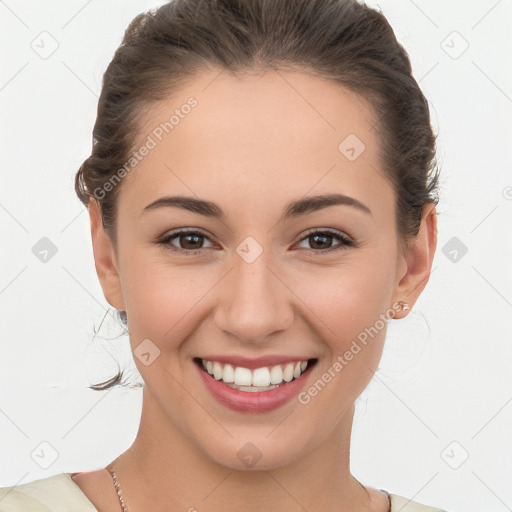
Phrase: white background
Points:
(444, 387)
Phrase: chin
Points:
(255, 453)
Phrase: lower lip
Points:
(253, 401)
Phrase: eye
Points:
(193, 241)
(190, 241)
(324, 236)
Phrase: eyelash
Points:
(346, 241)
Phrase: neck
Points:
(164, 470)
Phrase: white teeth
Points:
(288, 372)
(229, 373)
(259, 379)
(276, 375)
(250, 389)
(243, 376)
(217, 370)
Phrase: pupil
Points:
(321, 237)
(191, 236)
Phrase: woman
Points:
(262, 193)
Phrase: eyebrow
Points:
(292, 209)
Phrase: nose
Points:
(256, 303)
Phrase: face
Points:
(252, 279)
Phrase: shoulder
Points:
(57, 493)
(399, 503)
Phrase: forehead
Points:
(285, 132)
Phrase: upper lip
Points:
(254, 362)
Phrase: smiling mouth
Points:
(260, 379)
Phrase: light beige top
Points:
(59, 493)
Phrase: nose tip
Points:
(256, 303)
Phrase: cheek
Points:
(361, 286)
(346, 303)
(160, 298)
(349, 309)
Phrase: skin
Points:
(253, 144)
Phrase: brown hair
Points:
(340, 40)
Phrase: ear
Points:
(418, 260)
(105, 259)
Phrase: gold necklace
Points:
(117, 488)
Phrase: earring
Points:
(403, 305)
